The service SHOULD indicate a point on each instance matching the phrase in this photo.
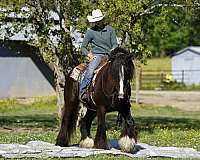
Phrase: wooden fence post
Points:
(137, 84)
(161, 77)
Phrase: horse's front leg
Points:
(129, 134)
(100, 139)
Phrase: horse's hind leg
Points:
(68, 125)
(86, 122)
(70, 113)
(129, 134)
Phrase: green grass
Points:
(37, 112)
(26, 107)
(160, 126)
(157, 64)
(167, 126)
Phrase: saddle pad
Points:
(78, 72)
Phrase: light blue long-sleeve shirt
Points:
(101, 41)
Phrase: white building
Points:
(22, 74)
(186, 65)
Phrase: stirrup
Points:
(83, 97)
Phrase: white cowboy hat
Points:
(96, 16)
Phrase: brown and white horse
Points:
(110, 92)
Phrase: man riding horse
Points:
(102, 39)
(111, 91)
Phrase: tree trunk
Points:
(60, 82)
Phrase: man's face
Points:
(99, 24)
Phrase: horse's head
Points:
(122, 70)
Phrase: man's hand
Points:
(90, 56)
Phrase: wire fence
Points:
(157, 79)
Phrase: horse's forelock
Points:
(122, 58)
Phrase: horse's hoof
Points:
(61, 144)
(127, 144)
(87, 143)
(106, 146)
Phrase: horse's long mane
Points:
(120, 56)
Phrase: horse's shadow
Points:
(39, 120)
(147, 123)
(150, 123)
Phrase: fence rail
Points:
(156, 79)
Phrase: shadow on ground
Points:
(149, 123)
(36, 121)
(143, 123)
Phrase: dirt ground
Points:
(185, 100)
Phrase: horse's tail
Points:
(70, 112)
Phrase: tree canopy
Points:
(148, 25)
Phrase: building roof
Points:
(27, 31)
(194, 49)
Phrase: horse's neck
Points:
(107, 81)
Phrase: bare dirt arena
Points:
(185, 100)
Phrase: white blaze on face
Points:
(121, 82)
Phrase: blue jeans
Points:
(89, 72)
